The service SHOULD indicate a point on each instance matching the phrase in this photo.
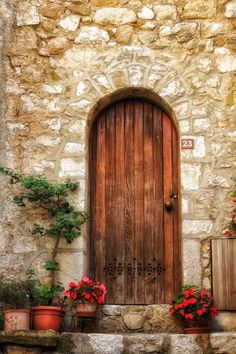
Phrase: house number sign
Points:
(187, 143)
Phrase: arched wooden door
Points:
(134, 237)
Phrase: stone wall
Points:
(67, 59)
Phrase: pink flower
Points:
(72, 284)
(189, 316)
(73, 295)
(227, 232)
(85, 279)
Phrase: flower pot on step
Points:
(47, 317)
(87, 310)
(16, 319)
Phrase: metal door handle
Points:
(168, 205)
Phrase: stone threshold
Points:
(37, 342)
(30, 338)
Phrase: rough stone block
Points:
(223, 343)
(199, 9)
(106, 344)
(230, 9)
(143, 343)
(192, 262)
(165, 12)
(185, 344)
(191, 174)
(114, 16)
(133, 321)
(92, 34)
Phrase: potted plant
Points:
(15, 302)
(47, 306)
(194, 307)
(86, 294)
(64, 221)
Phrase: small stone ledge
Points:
(30, 338)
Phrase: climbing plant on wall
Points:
(65, 220)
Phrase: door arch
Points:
(134, 232)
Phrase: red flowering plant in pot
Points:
(86, 294)
(194, 307)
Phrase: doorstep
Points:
(30, 338)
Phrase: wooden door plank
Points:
(129, 203)
(168, 215)
(224, 272)
(139, 202)
(158, 206)
(148, 204)
(98, 200)
(176, 200)
(120, 205)
(110, 203)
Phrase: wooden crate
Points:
(224, 272)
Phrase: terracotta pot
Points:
(87, 310)
(197, 327)
(16, 319)
(47, 317)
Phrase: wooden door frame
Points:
(153, 98)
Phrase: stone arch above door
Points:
(94, 78)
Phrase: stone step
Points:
(140, 343)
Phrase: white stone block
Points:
(201, 125)
(149, 25)
(106, 344)
(71, 168)
(47, 140)
(92, 34)
(195, 227)
(77, 127)
(82, 104)
(199, 150)
(192, 262)
(217, 182)
(184, 126)
(70, 23)
(53, 88)
(74, 148)
(81, 88)
(114, 16)
(146, 13)
(184, 206)
(27, 15)
(230, 9)
(54, 123)
(225, 60)
(190, 175)
(173, 90)
(165, 12)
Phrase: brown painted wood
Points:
(224, 272)
(176, 208)
(97, 257)
(139, 202)
(133, 169)
(168, 215)
(129, 202)
(158, 204)
(149, 289)
(120, 202)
